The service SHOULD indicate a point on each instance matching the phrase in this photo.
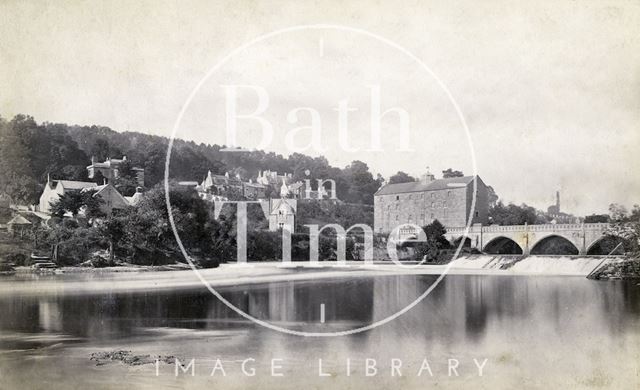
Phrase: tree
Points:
(71, 202)
(113, 229)
(447, 173)
(617, 212)
(596, 218)
(100, 149)
(492, 196)
(435, 242)
(75, 201)
(401, 177)
(127, 181)
(362, 185)
(16, 176)
(512, 214)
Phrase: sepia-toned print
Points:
(286, 195)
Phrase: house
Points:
(421, 202)
(18, 225)
(253, 190)
(54, 189)
(223, 187)
(111, 198)
(282, 214)
(134, 199)
(110, 169)
(273, 178)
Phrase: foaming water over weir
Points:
(541, 264)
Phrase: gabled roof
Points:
(277, 203)
(19, 220)
(76, 185)
(420, 186)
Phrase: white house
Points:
(54, 189)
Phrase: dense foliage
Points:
(30, 151)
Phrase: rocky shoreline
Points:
(626, 269)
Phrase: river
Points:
(496, 331)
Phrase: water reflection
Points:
(460, 307)
(535, 331)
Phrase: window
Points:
(448, 193)
(433, 195)
(431, 215)
(396, 217)
(397, 197)
(433, 204)
(477, 213)
(444, 205)
(422, 195)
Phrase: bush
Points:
(17, 258)
(6, 267)
(99, 262)
(208, 263)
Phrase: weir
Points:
(550, 265)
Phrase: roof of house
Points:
(420, 186)
(134, 199)
(19, 220)
(76, 185)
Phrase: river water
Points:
(523, 331)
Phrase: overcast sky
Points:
(550, 93)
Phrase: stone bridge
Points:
(527, 237)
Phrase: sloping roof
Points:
(420, 186)
(19, 220)
(277, 203)
(134, 199)
(76, 185)
(255, 185)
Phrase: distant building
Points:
(222, 187)
(54, 189)
(555, 215)
(135, 198)
(18, 225)
(110, 169)
(273, 178)
(282, 214)
(421, 202)
(111, 198)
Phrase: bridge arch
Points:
(554, 245)
(456, 242)
(606, 245)
(502, 245)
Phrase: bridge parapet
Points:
(533, 228)
(582, 236)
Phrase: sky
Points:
(550, 92)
